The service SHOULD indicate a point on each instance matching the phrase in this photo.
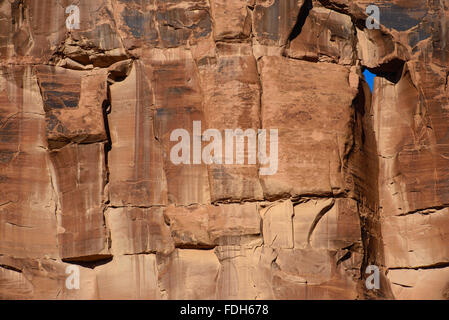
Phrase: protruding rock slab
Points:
(73, 104)
(234, 220)
(421, 284)
(232, 102)
(163, 24)
(278, 225)
(189, 226)
(246, 269)
(416, 240)
(138, 230)
(137, 176)
(179, 102)
(27, 200)
(207, 226)
(231, 19)
(80, 177)
(315, 135)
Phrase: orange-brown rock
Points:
(189, 274)
(22, 278)
(315, 135)
(79, 177)
(89, 190)
(128, 277)
(28, 200)
(73, 104)
(136, 174)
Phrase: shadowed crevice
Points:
(391, 70)
(90, 261)
(301, 20)
(11, 268)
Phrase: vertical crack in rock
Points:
(106, 108)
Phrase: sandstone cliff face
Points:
(87, 179)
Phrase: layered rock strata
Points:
(88, 182)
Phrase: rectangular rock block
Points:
(80, 177)
(310, 105)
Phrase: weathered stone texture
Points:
(88, 183)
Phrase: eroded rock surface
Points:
(87, 177)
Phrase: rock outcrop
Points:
(331, 179)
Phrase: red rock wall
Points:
(87, 179)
